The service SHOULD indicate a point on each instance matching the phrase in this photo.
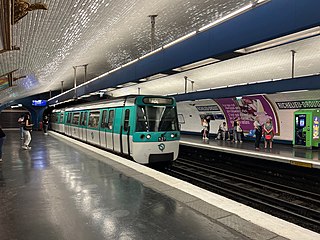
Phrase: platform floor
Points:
(61, 190)
(279, 152)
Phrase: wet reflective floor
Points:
(60, 191)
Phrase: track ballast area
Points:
(286, 191)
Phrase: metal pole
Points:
(185, 84)
(61, 86)
(139, 91)
(153, 24)
(292, 63)
(10, 79)
(85, 72)
(50, 94)
(192, 82)
(75, 82)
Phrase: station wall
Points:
(279, 107)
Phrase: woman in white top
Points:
(204, 129)
(27, 129)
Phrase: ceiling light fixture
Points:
(226, 17)
(180, 39)
(282, 40)
(295, 91)
(196, 64)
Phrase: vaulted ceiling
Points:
(104, 34)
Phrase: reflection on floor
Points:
(61, 191)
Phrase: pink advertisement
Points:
(247, 108)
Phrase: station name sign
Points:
(209, 108)
(304, 104)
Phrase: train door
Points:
(117, 122)
(109, 130)
(125, 132)
(93, 128)
(103, 127)
(83, 126)
(62, 122)
(75, 130)
(68, 124)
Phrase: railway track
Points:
(296, 205)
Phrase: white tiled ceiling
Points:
(101, 33)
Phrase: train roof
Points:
(116, 102)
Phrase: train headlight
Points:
(148, 136)
(172, 135)
(142, 136)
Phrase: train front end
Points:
(156, 136)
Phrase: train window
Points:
(54, 118)
(104, 119)
(69, 117)
(75, 119)
(94, 119)
(84, 119)
(61, 117)
(181, 119)
(155, 101)
(156, 118)
(110, 119)
(126, 120)
(81, 119)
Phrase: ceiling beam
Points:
(270, 87)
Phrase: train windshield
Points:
(156, 119)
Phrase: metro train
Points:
(143, 128)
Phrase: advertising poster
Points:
(247, 108)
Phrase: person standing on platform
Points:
(235, 126)
(268, 133)
(27, 131)
(258, 132)
(2, 137)
(239, 130)
(45, 125)
(208, 119)
(204, 131)
(21, 124)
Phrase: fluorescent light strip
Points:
(151, 53)
(196, 64)
(282, 40)
(129, 63)
(180, 39)
(295, 91)
(227, 17)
